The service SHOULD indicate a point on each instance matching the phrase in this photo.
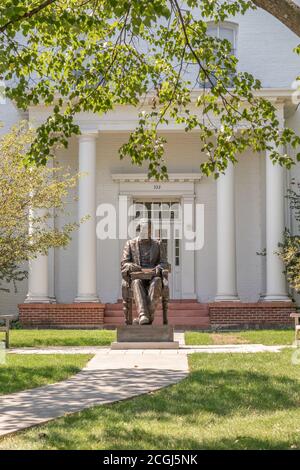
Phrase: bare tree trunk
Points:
(286, 11)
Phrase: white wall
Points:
(65, 262)
(9, 115)
(250, 225)
(182, 155)
(265, 49)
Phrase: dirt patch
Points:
(227, 338)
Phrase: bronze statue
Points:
(144, 268)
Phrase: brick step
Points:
(159, 315)
(158, 321)
(183, 314)
(172, 301)
(172, 306)
(184, 321)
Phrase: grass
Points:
(229, 401)
(42, 338)
(24, 371)
(267, 337)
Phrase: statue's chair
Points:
(127, 293)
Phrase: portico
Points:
(180, 187)
(212, 276)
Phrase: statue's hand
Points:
(158, 271)
(134, 268)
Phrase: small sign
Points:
(2, 353)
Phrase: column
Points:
(226, 242)
(276, 284)
(38, 282)
(87, 240)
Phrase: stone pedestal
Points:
(145, 337)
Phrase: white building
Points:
(244, 212)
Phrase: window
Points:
(177, 252)
(222, 31)
(161, 213)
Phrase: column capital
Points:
(87, 135)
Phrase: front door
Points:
(164, 216)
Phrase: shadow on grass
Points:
(162, 420)
(22, 372)
(21, 378)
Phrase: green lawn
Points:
(229, 401)
(267, 337)
(24, 371)
(39, 338)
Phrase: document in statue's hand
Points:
(146, 274)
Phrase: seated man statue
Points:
(142, 263)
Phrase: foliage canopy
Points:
(92, 55)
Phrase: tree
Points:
(290, 248)
(22, 189)
(286, 11)
(91, 55)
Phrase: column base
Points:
(39, 299)
(81, 299)
(227, 298)
(276, 298)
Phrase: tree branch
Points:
(28, 14)
(286, 11)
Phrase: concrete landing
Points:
(145, 333)
(145, 337)
(145, 345)
(110, 376)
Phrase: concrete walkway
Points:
(109, 377)
(233, 348)
(183, 349)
